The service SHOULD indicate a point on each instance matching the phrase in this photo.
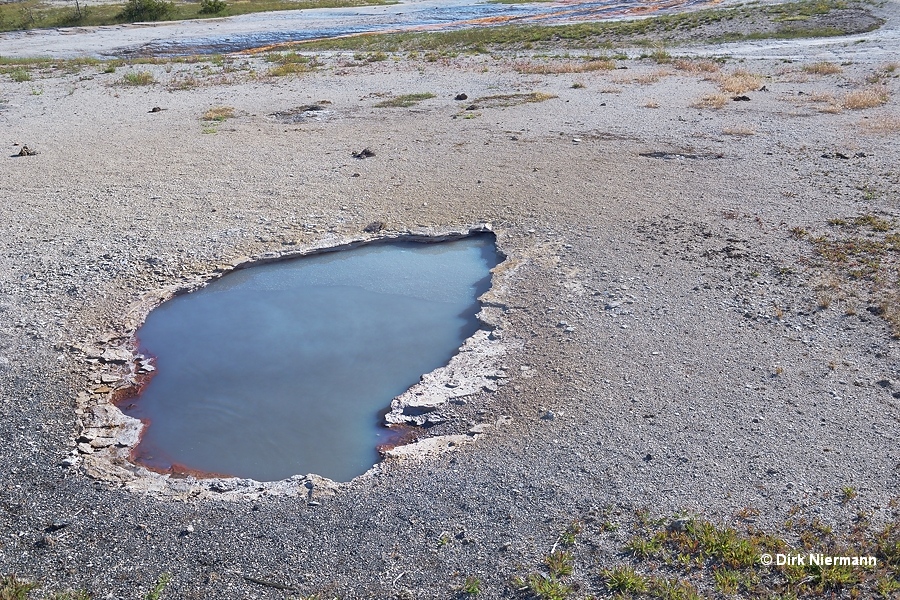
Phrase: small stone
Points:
(374, 227)
(69, 461)
(549, 415)
(221, 486)
(364, 153)
(313, 503)
(612, 305)
(109, 378)
(461, 97)
(116, 355)
(156, 109)
(479, 429)
(85, 448)
(678, 525)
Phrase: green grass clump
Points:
(13, 588)
(147, 10)
(136, 78)
(156, 591)
(472, 586)
(20, 75)
(212, 7)
(290, 63)
(624, 580)
(547, 588)
(404, 101)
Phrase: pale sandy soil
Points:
(659, 307)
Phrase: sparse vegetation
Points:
(863, 99)
(881, 124)
(183, 81)
(136, 78)
(212, 7)
(147, 10)
(501, 100)
(643, 78)
(472, 586)
(20, 75)
(290, 63)
(218, 113)
(156, 591)
(624, 580)
(863, 256)
(823, 68)
(32, 14)
(711, 101)
(696, 66)
(405, 100)
(603, 34)
(739, 82)
(593, 64)
(13, 588)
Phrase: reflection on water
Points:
(430, 15)
(285, 369)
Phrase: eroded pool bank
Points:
(286, 368)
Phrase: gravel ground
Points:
(667, 342)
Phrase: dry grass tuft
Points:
(643, 78)
(739, 82)
(650, 103)
(863, 99)
(741, 131)
(696, 66)
(182, 81)
(218, 113)
(711, 101)
(611, 90)
(823, 68)
(881, 124)
(821, 97)
(566, 67)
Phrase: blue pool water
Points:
(286, 368)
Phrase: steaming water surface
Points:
(286, 368)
